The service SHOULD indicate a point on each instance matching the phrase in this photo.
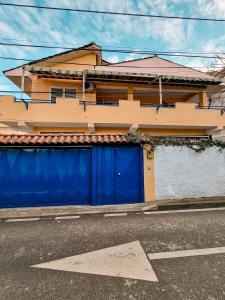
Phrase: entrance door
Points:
(117, 175)
(128, 179)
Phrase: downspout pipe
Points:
(22, 83)
(160, 91)
(22, 87)
(83, 90)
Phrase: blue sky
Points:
(36, 26)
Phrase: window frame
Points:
(63, 88)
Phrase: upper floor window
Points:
(62, 93)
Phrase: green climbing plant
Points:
(196, 144)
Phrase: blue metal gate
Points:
(117, 175)
(44, 177)
(71, 176)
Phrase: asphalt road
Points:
(24, 244)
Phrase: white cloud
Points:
(132, 56)
(115, 29)
(211, 8)
(5, 87)
(113, 59)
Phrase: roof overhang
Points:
(15, 74)
(98, 75)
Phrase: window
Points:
(62, 93)
(70, 93)
(56, 93)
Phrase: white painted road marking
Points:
(67, 217)
(183, 210)
(186, 253)
(22, 220)
(115, 215)
(126, 260)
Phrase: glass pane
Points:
(70, 93)
(56, 93)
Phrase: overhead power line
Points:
(111, 12)
(113, 46)
(112, 65)
(125, 51)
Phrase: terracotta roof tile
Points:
(54, 139)
(68, 139)
(74, 139)
(28, 139)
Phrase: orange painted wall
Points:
(43, 88)
(102, 130)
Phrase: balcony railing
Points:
(158, 105)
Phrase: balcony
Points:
(122, 114)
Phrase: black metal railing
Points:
(158, 105)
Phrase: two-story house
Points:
(76, 108)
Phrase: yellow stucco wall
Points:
(79, 130)
(185, 118)
(149, 177)
(41, 88)
(81, 63)
(102, 130)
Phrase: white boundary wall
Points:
(181, 172)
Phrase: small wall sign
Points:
(150, 154)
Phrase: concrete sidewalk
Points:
(191, 201)
(78, 210)
(73, 210)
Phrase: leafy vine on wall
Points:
(196, 144)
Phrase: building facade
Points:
(84, 105)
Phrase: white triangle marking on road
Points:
(127, 260)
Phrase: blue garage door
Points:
(40, 177)
(71, 176)
(117, 175)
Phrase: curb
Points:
(57, 211)
(204, 201)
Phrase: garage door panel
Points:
(41, 172)
(12, 166)
(56, 171)
(41, 198)
(85, 176)
(43, 177)
(103, 176)
(117, 175)
(128, 174)
(26, 162)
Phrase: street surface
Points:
(158, 255)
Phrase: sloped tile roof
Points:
(154, 65)
(60, 139)
(121, 75)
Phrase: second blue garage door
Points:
(117, 175)
(70, 176)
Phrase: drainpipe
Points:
(83, 90)
(160, 91)
(22, 83)
(22, 87)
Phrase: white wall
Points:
(182, 173)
